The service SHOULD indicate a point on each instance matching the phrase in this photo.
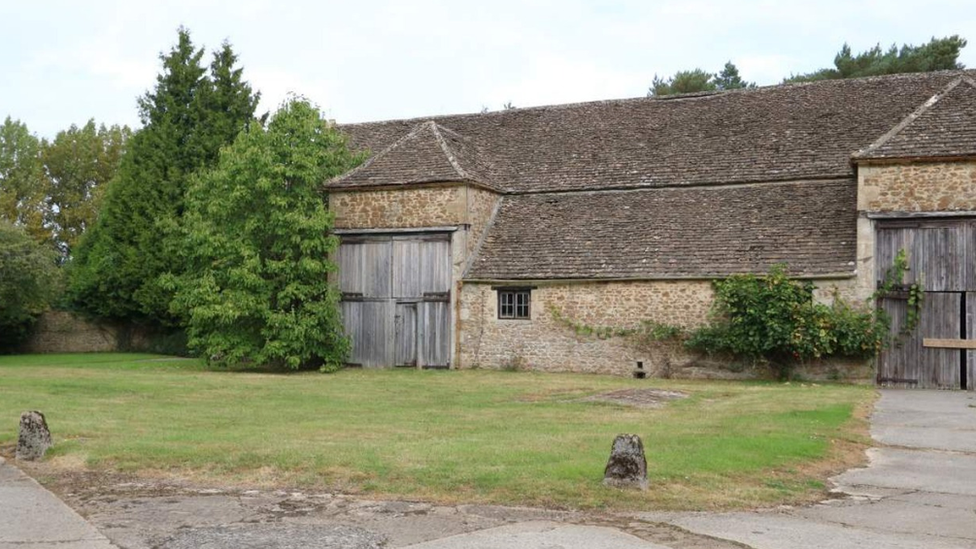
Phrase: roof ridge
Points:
(451, 157)
(913, 116)
(962, 73)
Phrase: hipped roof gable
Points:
(427, 154)
(943, 127)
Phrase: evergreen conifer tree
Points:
(186, 118)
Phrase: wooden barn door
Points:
(396, 299)
(941, 256)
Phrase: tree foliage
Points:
(53, 188)
(728, 78)
(29, 279)
(697, 80)
(257, 246)
(937, 54)
(78, 164)
(23, 190)
(187, 118)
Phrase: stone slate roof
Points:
(428, 153)
(777, 133)
(944, 127)
(691, 232)
(690, 186)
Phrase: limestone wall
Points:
(62, 332)
(917, 187)
(847, 289)
(547, 343)
(480, 205)
(405, 208)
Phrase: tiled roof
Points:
(944, 127)
(676, 232)
(428, 153)
(776, 133)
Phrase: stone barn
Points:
(479, 240)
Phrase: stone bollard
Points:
(627, 466)
(35, 438)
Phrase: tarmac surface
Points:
(919, 490)
(32, 518)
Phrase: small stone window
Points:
(514, 303)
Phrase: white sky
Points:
(63, 62)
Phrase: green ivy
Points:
(894, 281)
(646, 331)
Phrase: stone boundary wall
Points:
(63, 332)
(546, 343)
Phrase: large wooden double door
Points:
(396, 294)
(942, 257)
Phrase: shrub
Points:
(774, 318)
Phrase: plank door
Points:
(365, 280)
(941, 257)
(422, 277)
(898, 365)
(435, 334)
(396, 293)
(970, 322)
(941, 319)
(406, 334)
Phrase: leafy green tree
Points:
(729, 79)
(23, 189)
(937, 54)
(29, 279)
(698, 80)
(134, 243)
(691, 81)
(257, 246)
(78, 164)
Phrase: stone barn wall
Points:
(449, 204)
(906, 188)
(414, 207)
(548, 343)
(917, 187)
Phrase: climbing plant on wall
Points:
(892, 282)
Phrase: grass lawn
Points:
(447, 436)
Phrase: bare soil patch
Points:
(639, 398)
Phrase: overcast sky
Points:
(63, 62)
